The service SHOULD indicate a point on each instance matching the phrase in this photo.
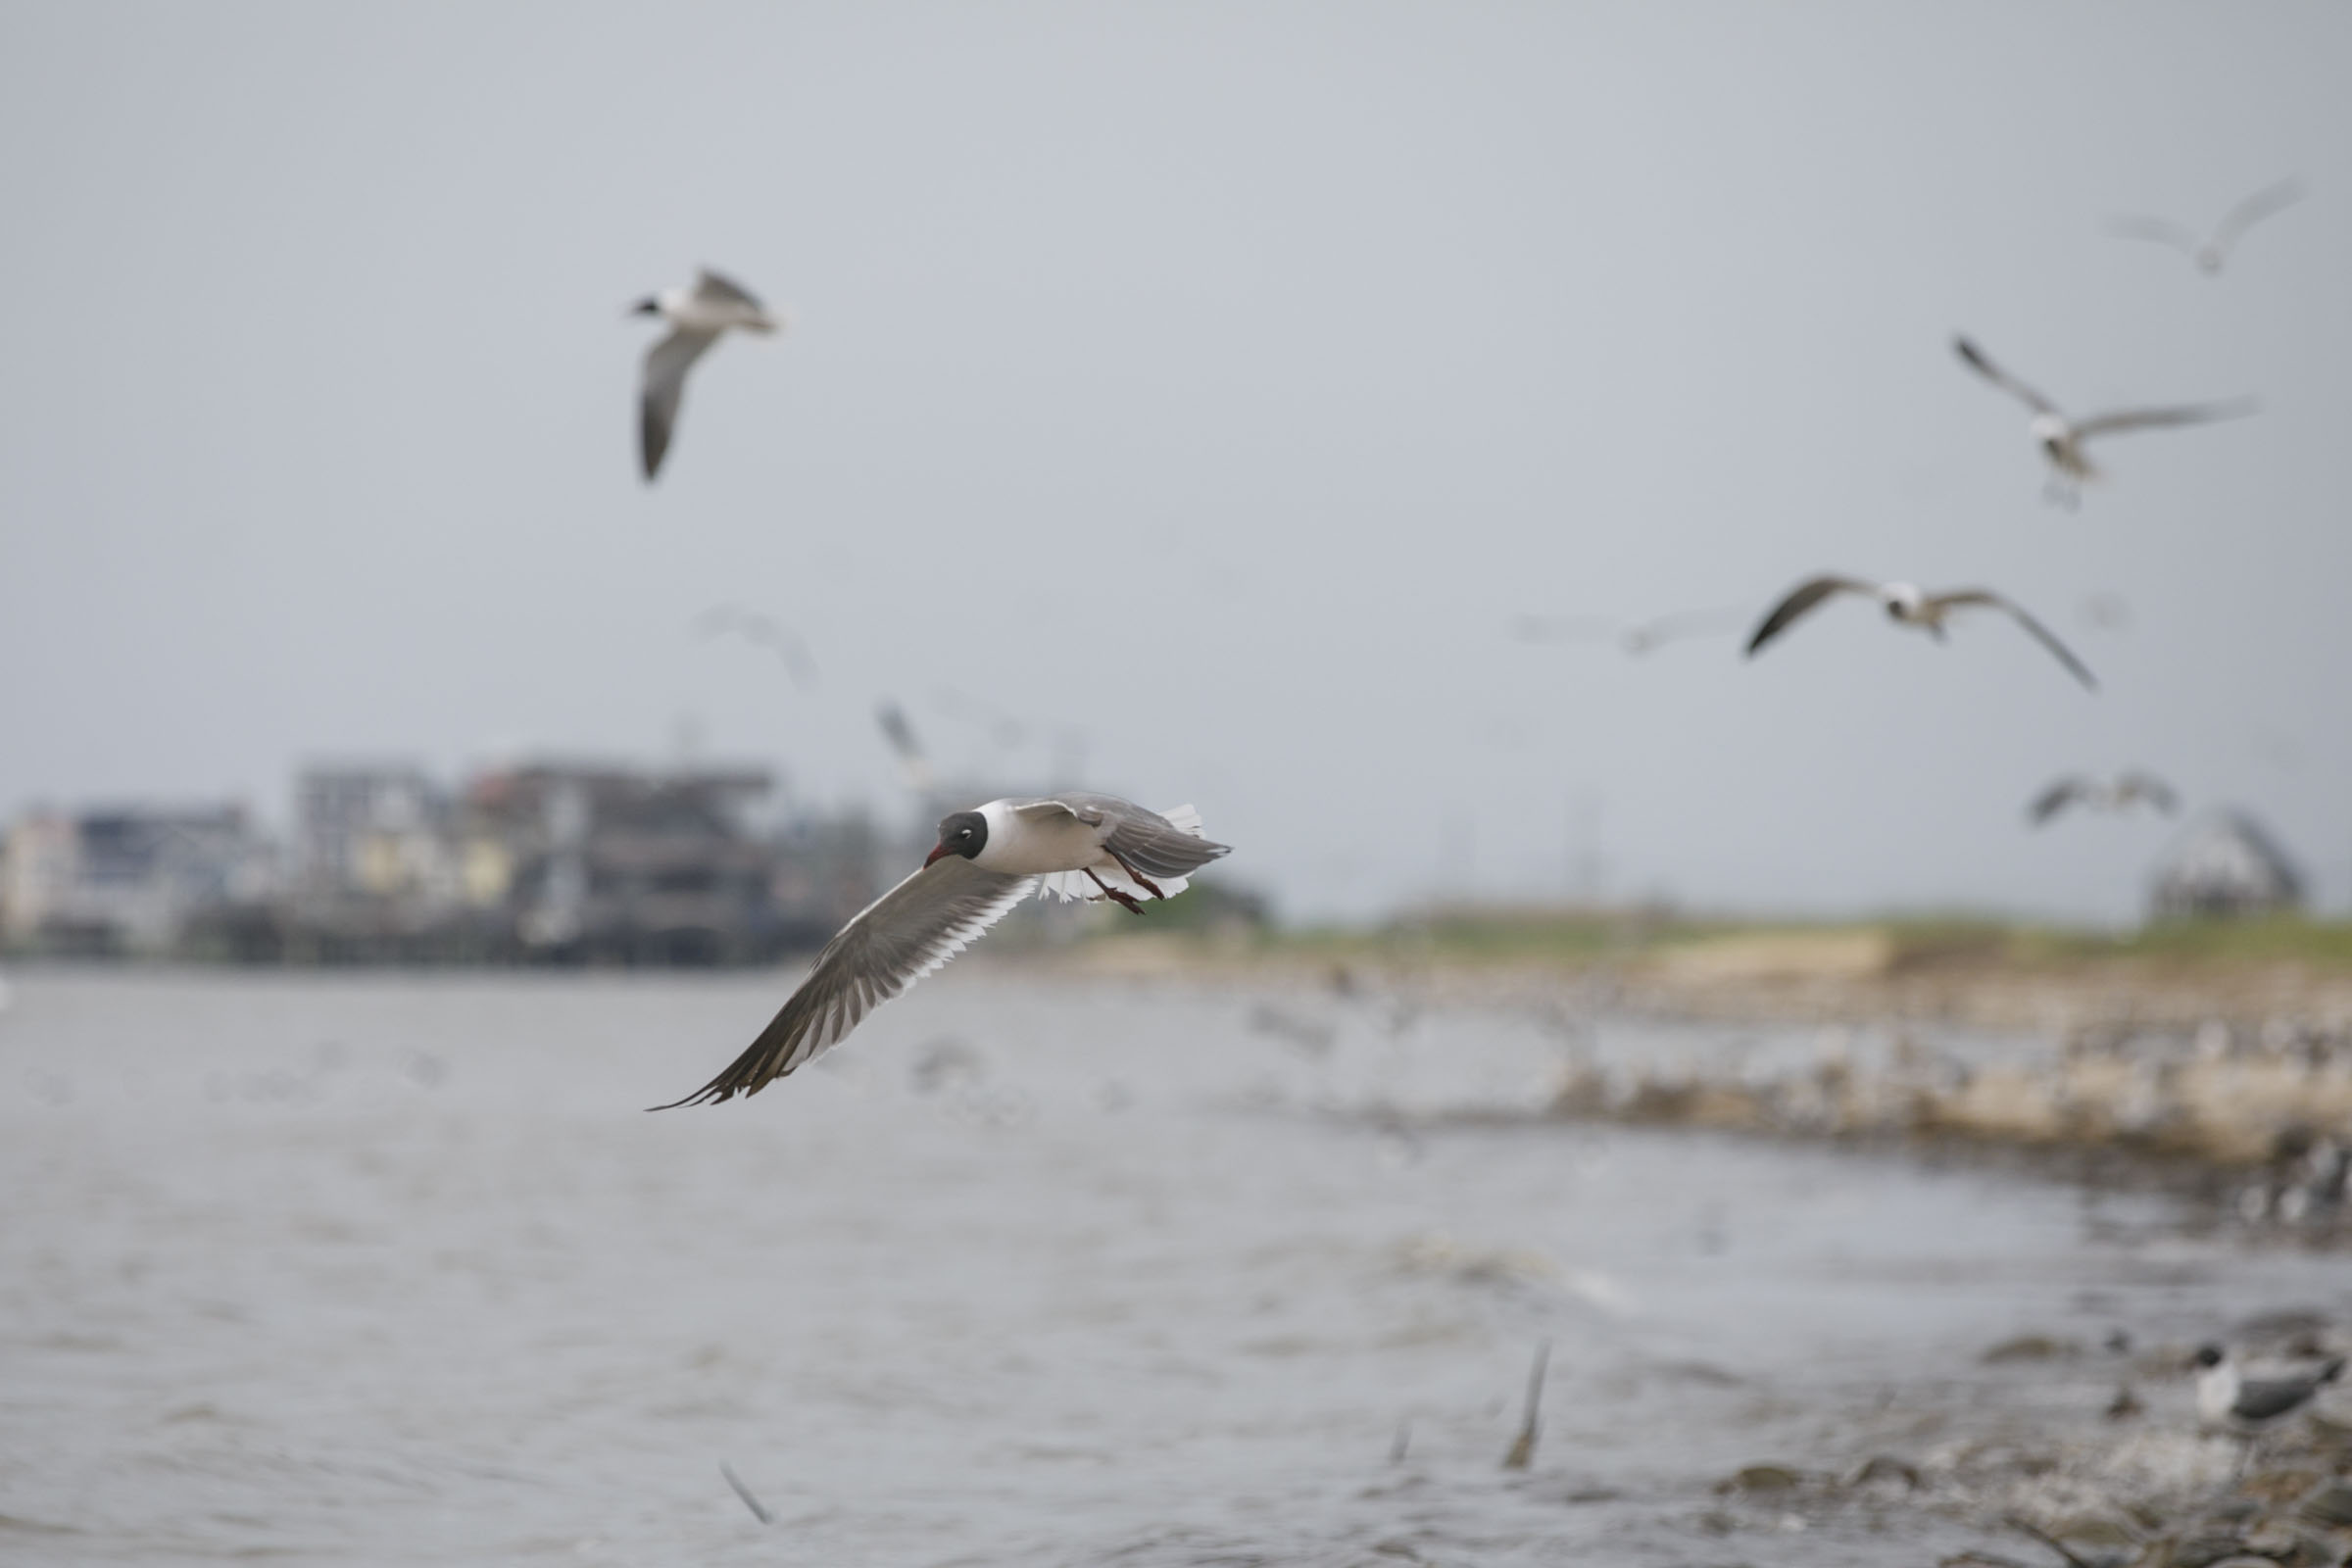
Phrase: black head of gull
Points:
(963, 833)
(648, 306)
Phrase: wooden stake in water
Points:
(745, 1493)
(1523, 1448)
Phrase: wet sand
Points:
(389, 1269)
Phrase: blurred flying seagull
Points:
(2209, 252)
(986, 861)
(1908, 606)
(756, 626)
(698, 318)
(912, 763)
(2227, 1397)
(2061, 438)
(2114, 795)
(1636, 638)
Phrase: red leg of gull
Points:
(1109, 892)
(1138, 877)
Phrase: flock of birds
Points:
(989, 860)
(1087, 845)
(2061, 440)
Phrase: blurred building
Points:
(608, 864)
(2225, 865)
(131, 879)
(382, 871)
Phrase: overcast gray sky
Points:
(1221, 378)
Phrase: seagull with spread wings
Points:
(986, 861)
(698, 317)
(2108, 796)
(2210, 250)
(2061, 437)
(1909, 606)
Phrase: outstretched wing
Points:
(2149, 788)
(2057, 798)
(2254, 208)
(2041, 634)
(1974, 358)
(1802, 598)
(725, 291)
(2162, 230)
(897, 940)
(665, 365)
(2156, 418)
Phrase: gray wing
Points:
(2254, 208)
(1802, 598)
(2261, 1401)
(2040, 633)
(1069, 805)
(1974, 358)
(715, 286)
(2163, 231)
(2057, 798)
(1146, 840)
(665, 365)
(2156, 418)
(2149, 788)
(897, 940)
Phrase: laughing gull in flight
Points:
(754, 626)
(986, 861)
(2209, 252)
(914, 766)
(2061, 438)
(2116, 795)
(1908, 606)
(698, 318)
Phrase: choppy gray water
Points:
(375, 1269)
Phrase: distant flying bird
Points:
(755, 626)
(986, 861)
(698, 318)
(902, 744)
(1908, 606)
(2114, 795)
(1636, 638)
(2061, 438)
(2209, 252)
(2228, 1398)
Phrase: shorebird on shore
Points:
(2230, 1401)
(1909, 606)
(698, 317)
(2061, 438)
(1073, 846)
(2210, 250)
(2118, 794)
